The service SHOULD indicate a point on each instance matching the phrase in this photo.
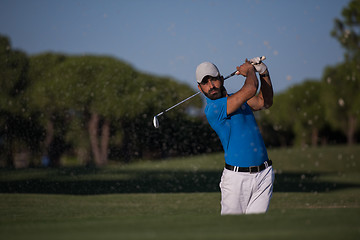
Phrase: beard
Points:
(216, 93)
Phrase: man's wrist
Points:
(250, 70)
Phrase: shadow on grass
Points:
(90, 181)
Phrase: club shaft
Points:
(232, 74)
(178, 103)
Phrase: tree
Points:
(15, 120)
(276, 122)
(307, 112)
(152, 94)
(103, 101)
(296, 117)
(342, 82)
(347, 30)
(44, 100)
(341, 97)
(91, 89)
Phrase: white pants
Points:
(246, 193)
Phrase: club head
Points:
(156, 122)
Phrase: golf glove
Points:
(259, 66)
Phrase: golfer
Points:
(247, 179)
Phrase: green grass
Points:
(317, 196)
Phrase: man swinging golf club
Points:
(247, 180)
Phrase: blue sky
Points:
(170, 38)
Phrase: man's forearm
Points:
(251, 80)
(266, 89)
(247, 92)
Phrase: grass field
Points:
(316, 196)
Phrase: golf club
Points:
(156, 121)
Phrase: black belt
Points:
(252, 169)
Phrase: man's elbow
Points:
(268, 103)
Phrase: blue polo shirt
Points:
(239, 133)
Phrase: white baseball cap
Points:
(206, 69)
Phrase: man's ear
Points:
(199, 87)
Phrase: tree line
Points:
(325, 110)
(98, 108)
(94, 108)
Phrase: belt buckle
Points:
(266, 164)
(254, 169)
